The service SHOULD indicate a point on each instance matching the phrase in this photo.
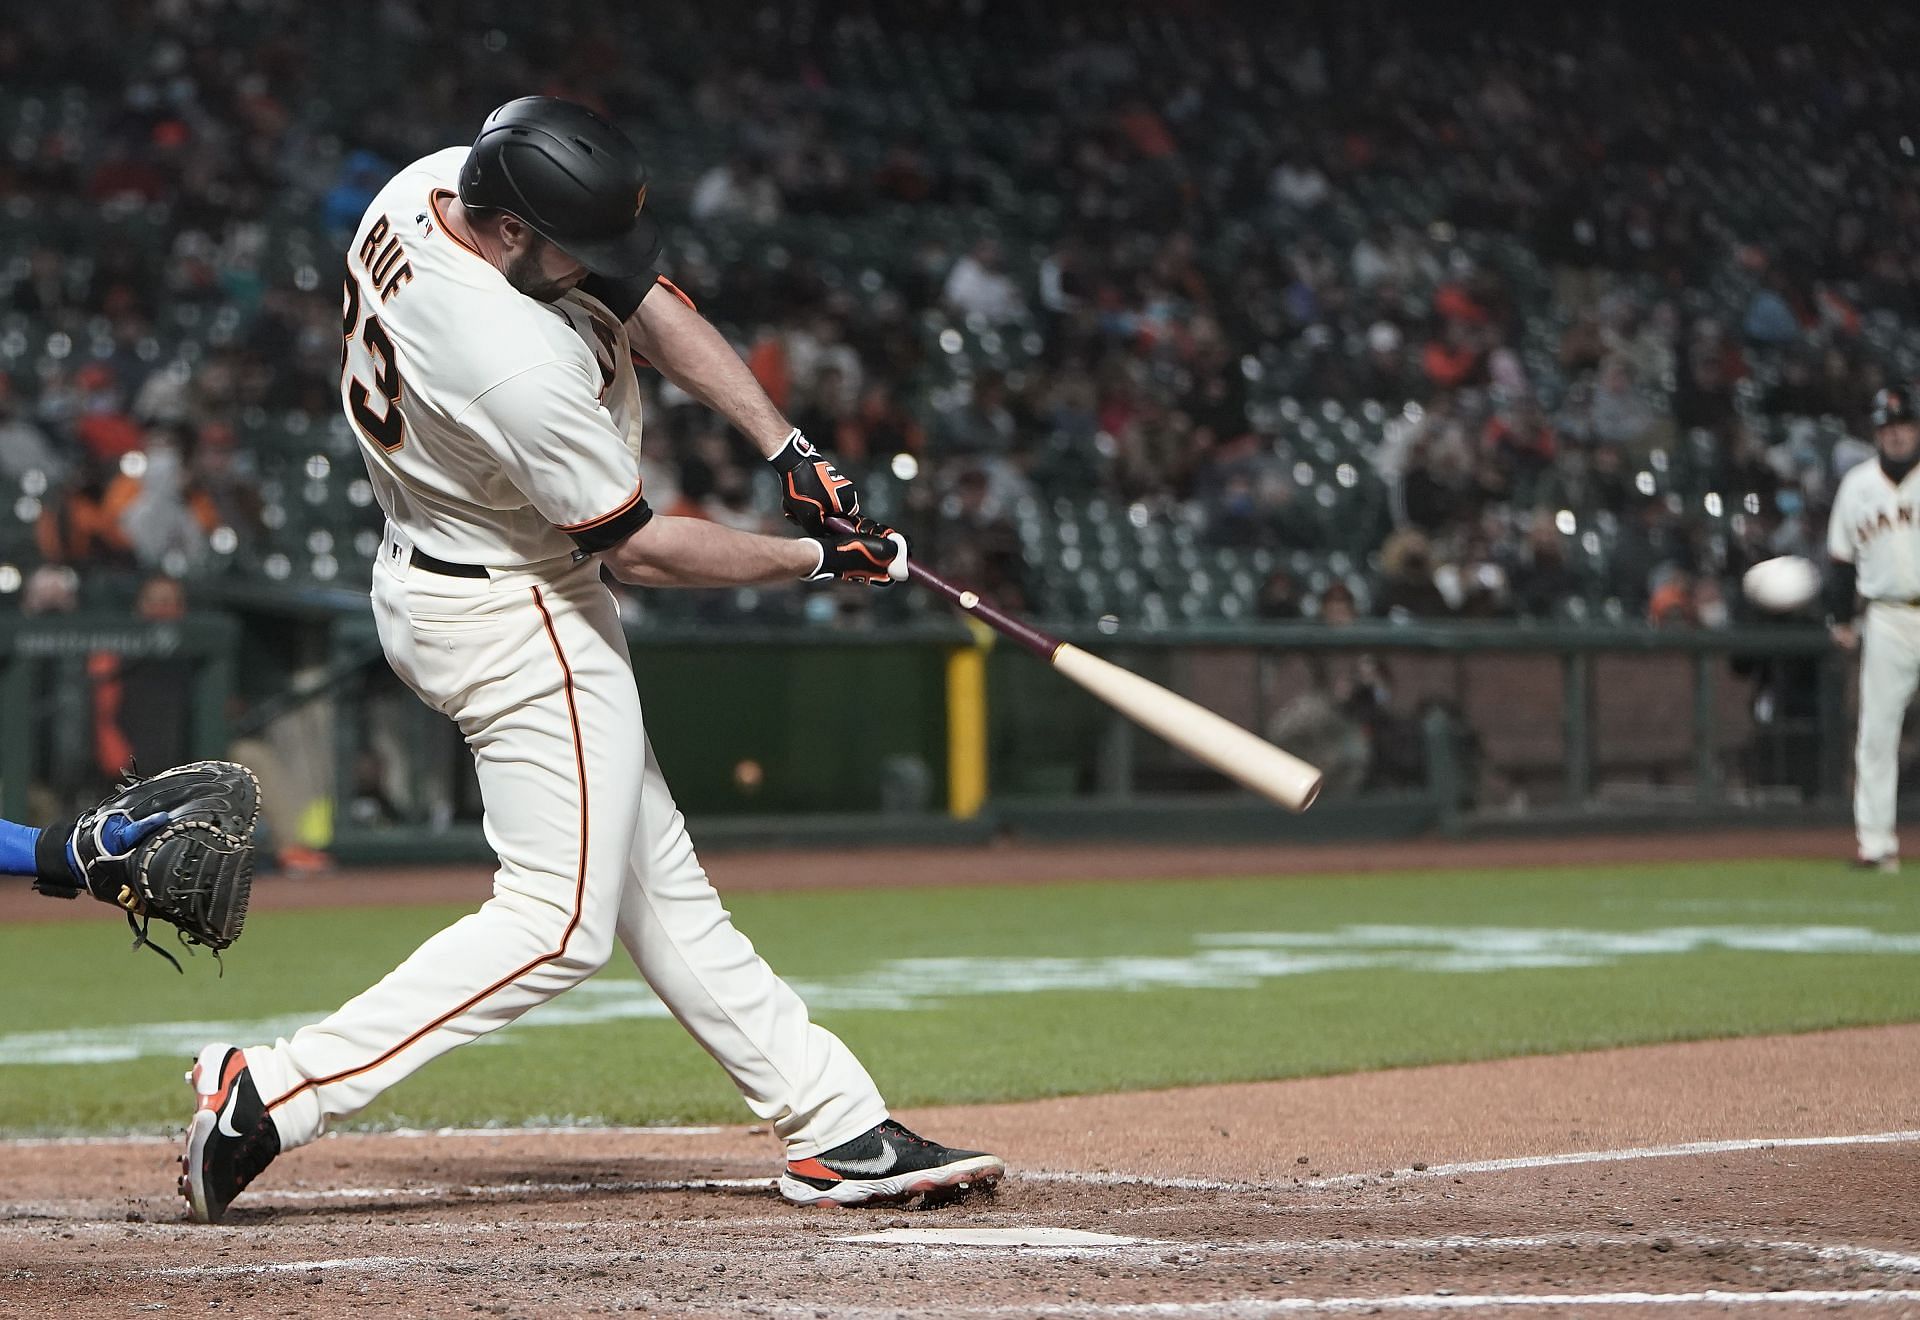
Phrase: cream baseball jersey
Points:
(1875, 526)
(498, 430)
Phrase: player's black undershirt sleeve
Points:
(1841, 582)
(622, 297)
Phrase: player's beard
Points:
(523, 273)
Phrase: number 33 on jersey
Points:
(382, 424)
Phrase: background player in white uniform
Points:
(494, 300)
(1874, 539)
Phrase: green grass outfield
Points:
(987, 993)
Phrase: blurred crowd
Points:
(1600, 270)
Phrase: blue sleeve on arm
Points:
(17, 843)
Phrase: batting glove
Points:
(813, 490)
(878, 560)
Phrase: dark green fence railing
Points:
(761, 728)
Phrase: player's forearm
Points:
(17, 848)
(685, 348)
(691, 552)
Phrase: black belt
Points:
(421, 559)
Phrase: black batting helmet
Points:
(573, 177)
(1893, 404)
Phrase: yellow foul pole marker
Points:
(966, 730)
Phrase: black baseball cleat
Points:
(1888, 865)
(231, 1138)
(886, 1165)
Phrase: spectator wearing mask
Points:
(171, 513)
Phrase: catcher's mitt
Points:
(176, 847)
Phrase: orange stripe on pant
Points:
(573, 919)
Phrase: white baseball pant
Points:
(1889, 671)
(533, 667)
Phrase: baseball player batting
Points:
(1874, 540)
(495, 299)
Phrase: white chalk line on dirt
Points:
(356, 1264)
(1256, 1308)
(1474, 1166)
(1190, 1252)
(516, 1189)
(1833, 1253)
(1632, 1153)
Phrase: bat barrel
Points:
(1205, 735)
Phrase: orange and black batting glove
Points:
(813, 490)
(877, 559)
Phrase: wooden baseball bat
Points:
(1244, 757)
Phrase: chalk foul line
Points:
(1680, 1151)
(1257, 1308)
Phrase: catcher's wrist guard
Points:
(53, 870)
(176, 847)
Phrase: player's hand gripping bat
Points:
(1242, 756)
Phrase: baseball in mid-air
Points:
(1783, 584)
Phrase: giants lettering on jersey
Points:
(1867, 528)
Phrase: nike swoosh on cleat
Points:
(878, 1164)
(226, 1115)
